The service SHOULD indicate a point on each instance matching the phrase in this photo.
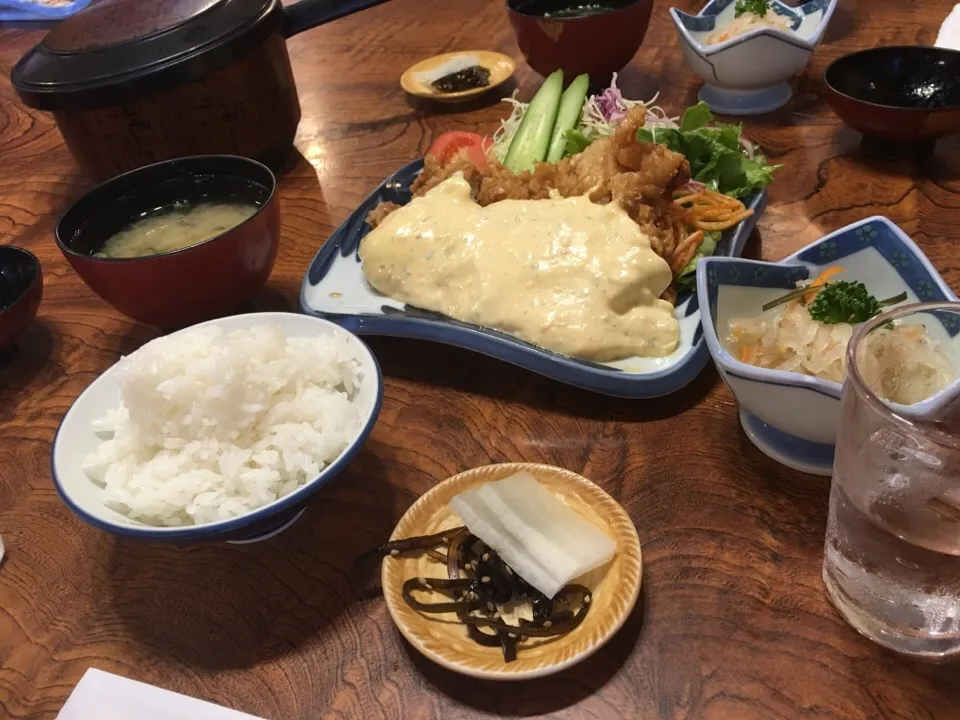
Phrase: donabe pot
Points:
(132, 83)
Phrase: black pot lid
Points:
(118, 50)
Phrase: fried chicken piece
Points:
(377, 215)
(434, 173)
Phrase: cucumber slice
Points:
(568, 116)
(532, 139)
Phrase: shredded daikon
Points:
(900, 363)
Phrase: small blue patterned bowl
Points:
(747, 74)
(791, 417)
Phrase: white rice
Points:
(214, 424)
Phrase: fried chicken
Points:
(638, 176)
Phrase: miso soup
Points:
(174, 227)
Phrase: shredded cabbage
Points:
(599, 117)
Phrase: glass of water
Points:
(892, 553)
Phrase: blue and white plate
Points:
(791, 417)
(27, 11)
(334, 288)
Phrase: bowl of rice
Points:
(221, 431)
(785, 368)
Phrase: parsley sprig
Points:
(757, 7)
(840, 302)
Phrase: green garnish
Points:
(757, 7)
(848, 302)
(839, 302)
(716, 156)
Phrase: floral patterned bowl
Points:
(747, 74)
(792, 417)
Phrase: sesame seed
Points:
(394, 553)
(512, 636)
(485, 579)
(491, 607)
(548, 623)
(485, 557)
(586, 599)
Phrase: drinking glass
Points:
(892, 552)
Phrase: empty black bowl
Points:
(21, 287)
(901, 93)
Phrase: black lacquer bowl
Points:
(904, 94)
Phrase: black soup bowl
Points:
(902, 94)
(21, 287)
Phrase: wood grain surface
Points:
(733, 621)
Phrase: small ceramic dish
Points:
(75, 439)
(792, 417)
(615, 586)
(747, 74)
(335, 288)
(901, 94)
(21, 289)
(500, 66)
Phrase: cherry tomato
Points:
(450, 144)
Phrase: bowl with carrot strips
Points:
(778, 333)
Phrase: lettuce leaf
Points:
(714, 152)
(577, 142)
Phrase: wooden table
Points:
(733, 620)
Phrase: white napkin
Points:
(949, 36)
(102, 696)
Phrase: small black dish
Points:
(21, 288)
(905, 94)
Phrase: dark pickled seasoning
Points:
(475, 76)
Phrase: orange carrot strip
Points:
(817, 283)
(748, 353)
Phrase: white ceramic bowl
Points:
(791, 417)
(75, 439)
(747, 74)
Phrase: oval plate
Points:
(615, 586)
(500, 66)
(335, 289)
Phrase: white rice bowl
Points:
(215, 422)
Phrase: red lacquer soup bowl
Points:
(211, 278)
(903, 94)
(21, 287)
(597, 37)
